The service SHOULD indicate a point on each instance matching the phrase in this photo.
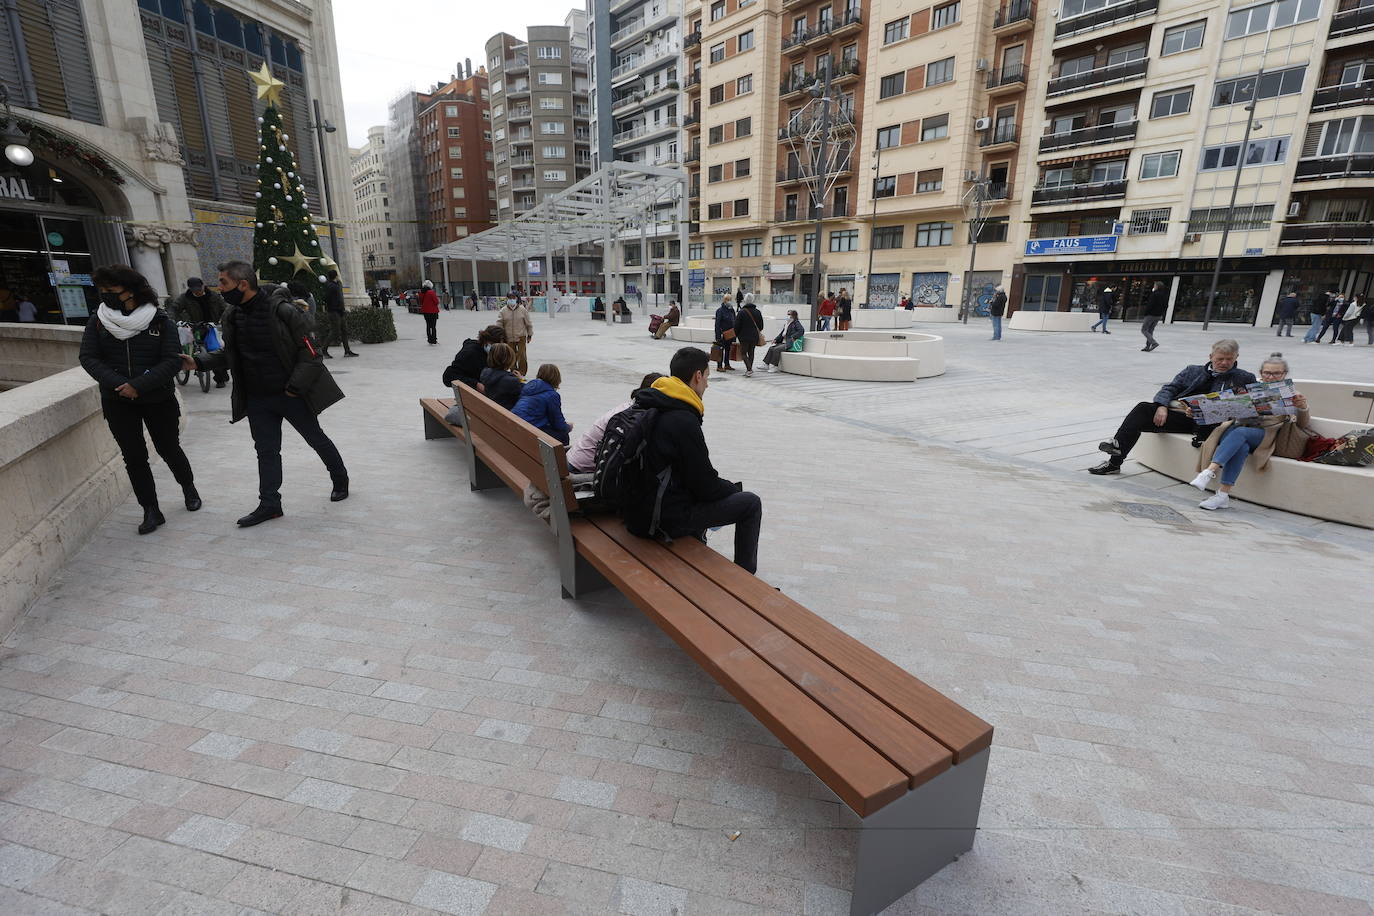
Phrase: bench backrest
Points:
(1339, 400)
(534, 454)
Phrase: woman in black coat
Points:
(749, 325)
(131, 348)
(471, 359)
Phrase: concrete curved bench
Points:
(882, 318)
(1053, 321)
(852, 368)
(874, 356)
(1337, 494)
(1339, 400)
(940, 314)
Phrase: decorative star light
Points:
(300, 261)
(269, 87)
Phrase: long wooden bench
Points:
(909, 761)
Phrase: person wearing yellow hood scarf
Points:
(679, 493)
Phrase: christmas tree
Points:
(286, 245)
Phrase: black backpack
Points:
(623, 478)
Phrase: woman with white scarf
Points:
(131, 349)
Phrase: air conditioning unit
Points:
(1192, 237)
(982, 124)
(1295, 208)
(970, 175)
(982, 64)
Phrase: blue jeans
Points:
(1101, 322)
(1314, 330)
(825, 322)
(996, 327)
(1235, 447)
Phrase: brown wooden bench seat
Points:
(433, 410)
(909, 761)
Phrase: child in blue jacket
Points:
(541, 405)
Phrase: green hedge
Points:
(365, 325)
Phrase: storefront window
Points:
(1237, 297)
(1041, 293)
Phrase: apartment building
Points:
(926, 107)
(541, 122)
(638, 103)
(1155, 112)
(372, 200)
(457, 171)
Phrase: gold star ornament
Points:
(269, 87)
(299, 261)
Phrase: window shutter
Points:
(47, 74)
(74, 60)
(9, 64)
(1312, 141)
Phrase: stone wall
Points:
(59, 468)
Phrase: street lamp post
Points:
(975, 208)
(322, 127)
(1230, 210)
(817, 202)
(872, 225)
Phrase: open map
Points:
(1262, 399)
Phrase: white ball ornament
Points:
(321, 278)
(257, 193)
(290, 174)
(269, 160)
(272, 261)
(286, 136)
(314, 244)
(259, 120)
(277, 185)
(259, 225)
(288, 197)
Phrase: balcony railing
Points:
(693, 79)
(1086, 136)
(1328, 97)
(842, 119)
(691, 41)
(518, 62)
(1348, 22)
(628, 67)
(847, 21)
(803, 212)
(521, 162)
(642, 130)
(519, 114)
(628, 30)
(1012, 13)
(1102, 76)
(999, 191)
(689, 120)
(1107, 16)
(797, 173)
(1007, 76)
(1327, 234)
(693, 155)
(1075, 193)
(997, 135)
(1329, 167)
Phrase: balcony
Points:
(999, 191)
(517, 89)
(691, 120)
(794, 173)
(1343, 96)
(627, 31)
(522, 162)
(819, 33)
(1101, 76)
(794, 83)
(1008, 79)
(1115, 14)
(1001, 136)
(630, 66)
(1327, 234)
(846, 71)
(847, 23)
(842, 120)
(644, 130)
(1087, 136)
(1349, 22)
(694, 192)
(518, 114)
(516, 64)
(1329, 168)
(795, 41)
(1078, 193)
(1015, 17)
(693, 155)
(692, 43)
(693, 81)
(804, 213)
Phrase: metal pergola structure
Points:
(617, 198)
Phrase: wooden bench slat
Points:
(934, 713)
(859, 775)
(909, 748)
(510, 475)
(489, 441)
(438, 408)
(518, 436)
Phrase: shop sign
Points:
(1254, 252)
(12, 187)
(70, 280)
(1077, 244)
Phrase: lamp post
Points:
(322, 127)
(1235, 189)
(817, 204)
(872, 225)
(975, 208)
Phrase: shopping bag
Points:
(212, 341)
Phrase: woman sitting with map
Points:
(1226, 449)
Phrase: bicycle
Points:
(194, 347)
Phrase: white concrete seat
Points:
(1325, 491)
(882, 318)
(859, 347)
(852, 368)
(941, 314)
(1052, 321)
(688, 333)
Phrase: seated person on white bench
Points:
(678, 492)
(783, 342)
(582, 457)
(1232, 442)
(1218, 374)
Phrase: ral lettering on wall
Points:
(12, 187)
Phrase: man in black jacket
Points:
(681, 493)
(278, 375)
(200, 306)
(1156, 305)
(338, 314)
(1287, 313)
(1218, 374)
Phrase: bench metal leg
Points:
(579, 577)
(433, 428)
(481, 477)
(914, 837)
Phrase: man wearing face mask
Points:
(278, 375)
(471, 359)
(198, 307)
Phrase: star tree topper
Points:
(269, 87)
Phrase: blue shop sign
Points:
(1078, 244)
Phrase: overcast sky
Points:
(386, 48)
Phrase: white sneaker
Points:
(1215, 501)
(748, 373)
(1202, 480)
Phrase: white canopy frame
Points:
(619, 196)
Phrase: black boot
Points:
(152, 517)
(259, 515)
(193, 502)
(340, 491)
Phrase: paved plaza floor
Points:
(384, 706)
